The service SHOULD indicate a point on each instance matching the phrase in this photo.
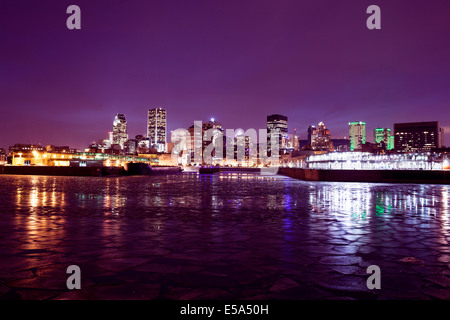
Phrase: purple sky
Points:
(235, 60)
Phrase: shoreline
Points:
(84, 171)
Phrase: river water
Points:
(222, 236)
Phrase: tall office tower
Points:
(321, 138)
(296, 142)
(417, 136)
(311, 134)
(157, 128)
(391, 143)
(383, 136)
(277, 125)
(244, 148)
(441, 137)
(119, 135)
(197, 134)
(357, 132)
(216, 139)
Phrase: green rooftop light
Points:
(358, 122)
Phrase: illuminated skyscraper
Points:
(311, 134)
(277, 125)
(319, 138)
(357, 133)
(391, 143)
(418, 136)
(119, 134)
(157, 128)
(199, 144)
(383, 136)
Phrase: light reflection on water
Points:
(193, 197)
(228, 192)
(358, 200)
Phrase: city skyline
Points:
(257, 151)
(210, 60)
(301, 136)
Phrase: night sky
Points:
(235, 60)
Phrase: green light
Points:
(357, 134)
(356, 123)
(390, 145)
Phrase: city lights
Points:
(325, 175)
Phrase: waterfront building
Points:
(418, 136)
(119, 135)
(357, 134)
(131, 146)
(157, 128)
(60, 149)
(143, 144)
(277, 125)
(25, 148)
(369, 161)
(77, 159)
(3, 157)
(102, 144)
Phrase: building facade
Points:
(383, 138)
(418, 136)
(199, 143)
(357, 134)
(277, 125)
(157, 128)
(293, 141)
(119, 135)
(319, 138)
(3, 157)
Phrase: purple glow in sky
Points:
(235, 60)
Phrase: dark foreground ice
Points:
(221, 236)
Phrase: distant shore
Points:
(82, 171)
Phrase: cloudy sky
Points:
(235, 60)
